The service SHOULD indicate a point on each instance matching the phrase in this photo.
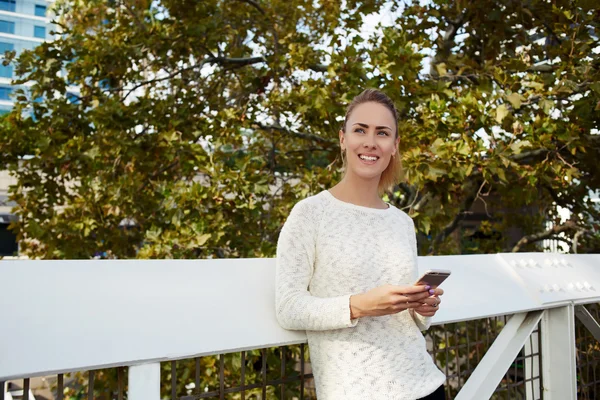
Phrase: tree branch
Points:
(237, 62)
(576, 240)
(447, 42)
(546, 24)
(301, 135)
(409, 192)
(555, 197)
(555, 230)
(223, 61)
(318, 67)
(255, 5)
(528, 154)
(422, 202)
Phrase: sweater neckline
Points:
(356, 206)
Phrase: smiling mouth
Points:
(368, 158)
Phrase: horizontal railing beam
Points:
(160, 299)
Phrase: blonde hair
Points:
(393, 172)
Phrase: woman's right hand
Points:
(387, 299)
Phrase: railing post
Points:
(559, 369)
(144, 382)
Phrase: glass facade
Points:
(8, 5)
(5, 93)
(39, 32)
(4, 47)
(40, 11)
(6, 71)
(7, 27)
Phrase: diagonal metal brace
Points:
(588, 320)
(493, 366)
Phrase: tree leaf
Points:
(441, 69)
(515, 100)
(501, 113)
(202, 239)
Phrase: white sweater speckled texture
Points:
(328, 250)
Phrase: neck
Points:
(359, 191)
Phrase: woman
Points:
(346, 267)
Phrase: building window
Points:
(5, 93)
(6, 71)
(39, 32)
(7, 27)
(40, 11)
(7, 5)
(4, 47)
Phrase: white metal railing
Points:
(138, 313)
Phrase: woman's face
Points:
(370, 140)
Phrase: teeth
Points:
(368, 158)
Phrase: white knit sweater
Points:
(329, 249)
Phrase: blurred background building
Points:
(24, 24)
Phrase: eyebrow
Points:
(377, 127)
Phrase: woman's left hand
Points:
(431, 304)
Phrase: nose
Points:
(369, 142)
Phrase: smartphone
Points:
(433, 277)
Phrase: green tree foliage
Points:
(188, 129)
(194, 126)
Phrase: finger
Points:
(431, 314)
(406, 305)
(425, 313)
(432, 301)
(417, 296)
(410, 289)
(439, 292)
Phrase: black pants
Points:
(439, 394)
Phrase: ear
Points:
(342, 139)
(396, 143)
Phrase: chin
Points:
(365, 174)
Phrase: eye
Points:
(359, 129)
(385, 133)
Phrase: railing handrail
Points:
(72, 315)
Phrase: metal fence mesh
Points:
(284, 372)
(587, 357)
(101, 384)
(458, 348)
(274, 373)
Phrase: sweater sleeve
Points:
(296, 308)
(422, 322)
